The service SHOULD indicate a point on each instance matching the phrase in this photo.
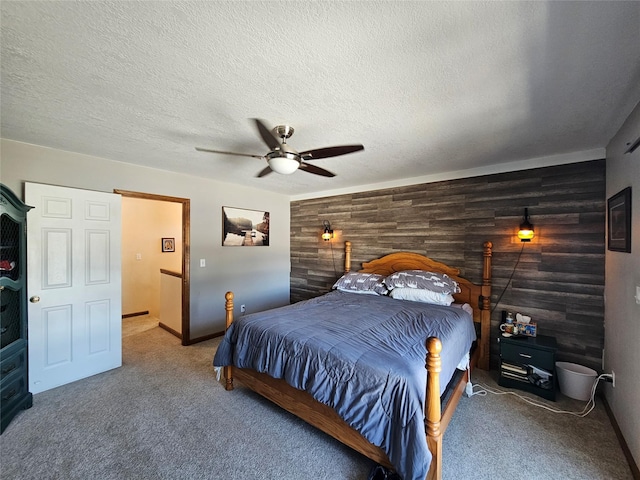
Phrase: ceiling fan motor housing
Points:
(283, 131)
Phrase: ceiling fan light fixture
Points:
(283, 163)
(284, 159)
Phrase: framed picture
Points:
(244, 228)
(168, 244)
(619, 221)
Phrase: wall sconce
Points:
(328, 233)
(525, 233)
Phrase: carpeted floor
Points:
(162, 415)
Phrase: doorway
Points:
(185, 284)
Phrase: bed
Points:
(331, 361)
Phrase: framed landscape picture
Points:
(244, 228)
(619, 221)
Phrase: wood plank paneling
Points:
(559, 279)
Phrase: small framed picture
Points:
(619, 221)
(168, 244)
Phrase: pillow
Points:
(436, 282)
(356, 282)
(420, 295)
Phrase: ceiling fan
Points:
(284, 159)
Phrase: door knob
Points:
(34, 299)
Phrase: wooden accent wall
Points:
(559, 280)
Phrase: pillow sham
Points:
(356, 282)
(422, 279)
(421, 295)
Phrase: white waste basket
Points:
(576, 381)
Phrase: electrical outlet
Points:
(138, 256)
(243, 308)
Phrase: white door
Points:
(73, 283)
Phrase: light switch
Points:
(203, 263)
(637, 297)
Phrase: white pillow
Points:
(420, 295)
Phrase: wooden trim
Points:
(169, 272)
(204, 338)
(186, 253)
(135, 314)
(635, 471)
(170, 330)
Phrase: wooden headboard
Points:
(478, 296)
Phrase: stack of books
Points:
(515, 372)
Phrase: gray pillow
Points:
(422, 279)
(356, 282)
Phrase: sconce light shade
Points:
(525, 233)
(328, 233)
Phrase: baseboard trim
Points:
(635, 471)
(205, 338)
(170, 330)
(135, 314)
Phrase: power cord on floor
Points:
(591, 403)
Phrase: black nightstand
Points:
(519, 359)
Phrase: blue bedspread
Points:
(362, 355)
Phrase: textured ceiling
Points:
(426, 87)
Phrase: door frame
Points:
(186, 253)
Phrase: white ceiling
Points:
(426, 87)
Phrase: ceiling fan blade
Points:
(269, 138)
(330, 151)
(228, 153)
(317, 170)
(265, 171)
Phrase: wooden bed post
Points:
(434, 435)
(228, 306)
(485, 308)
(347, 256)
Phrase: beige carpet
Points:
(162, 415)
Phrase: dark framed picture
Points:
(244, 228)
(168, 244)
(619, 221)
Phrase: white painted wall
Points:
(622, 274)
(258, 276)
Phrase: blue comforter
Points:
(362, 355)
